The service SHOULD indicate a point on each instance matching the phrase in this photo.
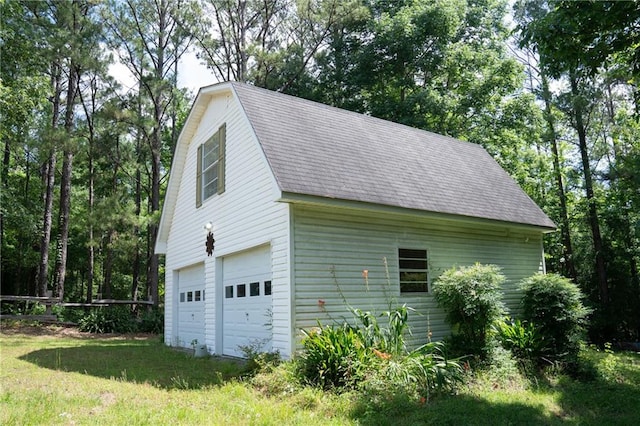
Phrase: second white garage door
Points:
(246, 301)
(191, 300)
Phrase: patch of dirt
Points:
(31, 329)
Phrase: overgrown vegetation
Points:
(22, 308)
(472, 300)
(549, 334)
(523, 339)
(48, 376)
(370, 356)
(548, 112)
(553, 305)
(115, 319)
(373, 358)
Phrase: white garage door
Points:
(191, 305)
(246, 301)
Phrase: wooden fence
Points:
(49, 302)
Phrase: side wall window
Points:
(210, 166)
(413, 270)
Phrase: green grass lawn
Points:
(49, 377)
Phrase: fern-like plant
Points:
(472, 300)
(554, 303)
(522, 338)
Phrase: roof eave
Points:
(296, 198)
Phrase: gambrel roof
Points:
(318, 150)
(328, 153)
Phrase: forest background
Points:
(549, 88)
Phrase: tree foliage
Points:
(549, 88)
(589, 50)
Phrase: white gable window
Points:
(210, 173)
(414, 272)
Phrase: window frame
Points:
(420, 270)
(219, 137)
(241, 290)
(254, 289)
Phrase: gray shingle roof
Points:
(318, 150)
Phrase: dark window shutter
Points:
(222, 135)
(199, 178)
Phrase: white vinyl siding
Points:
(334, 246)
(245, 215)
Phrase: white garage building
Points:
(274, 202)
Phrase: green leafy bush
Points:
(112, 319)
(334, 357)
(152, 321)
(73, 315)
(22, 308)
(522, 338)
(430, 369)
(554, 303)
(472, 300)
(36, 308)
(339, 356)
(372, 356)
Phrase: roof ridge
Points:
(339, 110)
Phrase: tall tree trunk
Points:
(90, 116)
(156, 148)
(91, 189)
(565, 230)
(26, 272)
(135, 276)
(78, 12)
(152, 270)
(63, 224)
(594, 222)
(152, 51)
(48, 175)
(65, 185)
(135, 282)
(91, 260)
(108, 265)
(4, 184)
(627, 233)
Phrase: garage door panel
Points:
(247, 301)
(191, 305)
